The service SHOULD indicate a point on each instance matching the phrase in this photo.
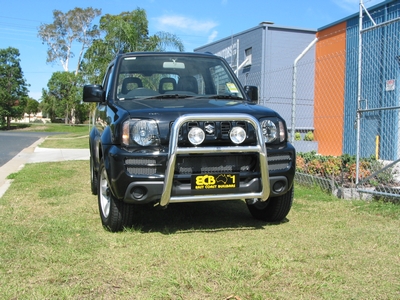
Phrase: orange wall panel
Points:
(329, 89)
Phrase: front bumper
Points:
(148, 177)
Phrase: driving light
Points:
(196, 135)
(269, 130)
(237, 135)
(141, 132)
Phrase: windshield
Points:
(142, 77)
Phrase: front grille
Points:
(225, 128)
(201, 164)
(215, 129)
(141, 166)
(278, 162)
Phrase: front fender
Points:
(106, 137)
(94, 148)
(97, 142)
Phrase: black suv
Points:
(179, 127)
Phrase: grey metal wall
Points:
(274, 50)
(282, 46)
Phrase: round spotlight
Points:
(237, 135)
(196, 135)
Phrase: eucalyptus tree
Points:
(68, 29)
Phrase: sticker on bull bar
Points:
(215, 181)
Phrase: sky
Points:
(196, 23)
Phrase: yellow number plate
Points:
(215, 181)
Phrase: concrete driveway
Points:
(33, 154)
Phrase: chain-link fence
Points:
(378, 107)
(345, 114)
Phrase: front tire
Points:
(94, 178)
(274, 209)
(114, 214)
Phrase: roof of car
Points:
(168, 54)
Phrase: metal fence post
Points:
(294, 86)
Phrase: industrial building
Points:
(345, 104)
(257, 53)
(375, 96)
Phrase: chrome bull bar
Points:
(174, 150)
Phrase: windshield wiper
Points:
(170, 96)
(220, 97)
(160, 96)
(184, 96)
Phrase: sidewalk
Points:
(34, 154)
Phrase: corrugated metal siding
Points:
(235, 45)
(274, 50)
(252, 39)
(283, 46)
(390, 51)
(350, 94)
(380, 48)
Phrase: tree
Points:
(62, 97)
(13, 88)
(48, 105)
(71, 27)
(32, 107)
(126, 32)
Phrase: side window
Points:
(107, 81)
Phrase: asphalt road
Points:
(13, 142)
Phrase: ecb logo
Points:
(205, 180)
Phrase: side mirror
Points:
(252, 93)
(93, 93)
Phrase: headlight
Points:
(196, 136)
(272, 132)
(269, 130)
(140, 132)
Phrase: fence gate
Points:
(378, 110)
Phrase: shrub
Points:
(297, 136)
(332, 166)
(309, 136)
(363, 172)
(345, 165)
(315, 167)
(300, 164)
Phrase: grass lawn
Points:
(70, 137)
(52, 246)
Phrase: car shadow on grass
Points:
(200, 216)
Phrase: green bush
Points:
(297, 136)
(343, 166)
(309, 136)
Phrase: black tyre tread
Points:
(280, 207)
(121, 213)
(276, 210)
(94, 178)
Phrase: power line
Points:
(21, 19)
